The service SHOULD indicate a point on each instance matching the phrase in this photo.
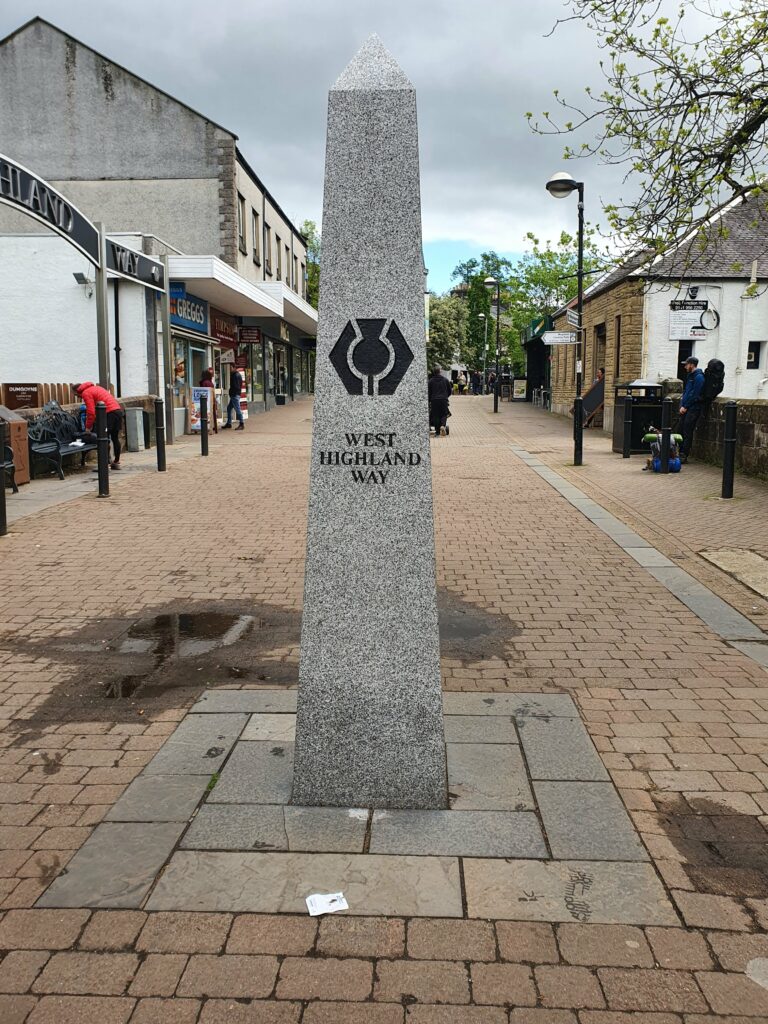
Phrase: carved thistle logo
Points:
(371, 357)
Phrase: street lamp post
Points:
(484, 318)
(492, 282)
(560, 185)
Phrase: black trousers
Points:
(688, 421)
(114, 423)
(438, 412)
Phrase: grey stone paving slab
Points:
(458, 833)
(757, 652)
(198, 746)
(587, 821)
(237, 827)
(115, 867)
(160, 798)
(248, 701)
(480, 729)
(648, 557)
(487, 776)
(719, 616)
(326, 829)
(560, 749)
(249, 827)
(599, 892)
(558, 705)
(270, 727)
(624, 537)
(272, 883)
(256, 773)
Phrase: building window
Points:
(295, 284)
(268, 249)
(255, 233)
(288, 266)
(241, 224)
(598, 349)
(753, 355)
(617, 348)
(279, 254)
(303, 281)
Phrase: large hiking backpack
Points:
(714, 380)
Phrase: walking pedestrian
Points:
(91, 394)
(691, 405)
(235, 390)
(461, 380)
(477, 383)
(439, 391)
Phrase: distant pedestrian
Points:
(91, 394)
(461, 380)
(206, 381)
(477, 382)
(235, 390)
(439, 391)
(491, 382)
(691, 405)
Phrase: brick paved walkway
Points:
(680, 718)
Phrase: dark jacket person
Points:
(691, 405)
(438, 391)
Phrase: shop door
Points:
(198, 359)
(281, 371)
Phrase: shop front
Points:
(193, 349)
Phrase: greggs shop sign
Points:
(187, 310)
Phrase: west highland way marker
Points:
(369, 729)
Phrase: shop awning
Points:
(296, 311)
(212, 279)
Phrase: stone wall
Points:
(624, 300)
(751, 435)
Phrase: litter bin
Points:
(646, 412)
(134, 429)
(17, 437)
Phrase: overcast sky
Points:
(263, 69)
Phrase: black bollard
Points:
(102, 449)
(666, 432)
(160, 433)
(578, 430)
(729, 449)
(204, 422)
(3, 512)
(627, 449)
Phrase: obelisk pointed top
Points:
(373, 67)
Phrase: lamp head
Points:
(481, 316)
(561, 184)
(490, 282)
(80, 277)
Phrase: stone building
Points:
(644, 318)
(171, 182)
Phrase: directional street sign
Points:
(559, 338)
(572, 317)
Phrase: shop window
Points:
(255, 232)
(617, 348)
(241, 224)
(753, 354)
(267, 249)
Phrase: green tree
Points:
(447, 329)
(312, 235)
(684, 111)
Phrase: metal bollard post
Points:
(102, 449)
(160, 434)
(578, 430)
(627, 449)
(729, 449)
(666, 432)
(204, 422)
(3, 512)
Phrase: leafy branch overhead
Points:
(685, 113)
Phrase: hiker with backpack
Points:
(691, 405)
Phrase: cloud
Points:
(263, 70)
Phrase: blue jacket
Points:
(694, 386)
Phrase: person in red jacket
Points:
(91, 394)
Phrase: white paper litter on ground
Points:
(326, 903)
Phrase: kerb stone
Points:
(369, 729)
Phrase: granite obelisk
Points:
(369, 729)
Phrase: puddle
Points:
(184, 635)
